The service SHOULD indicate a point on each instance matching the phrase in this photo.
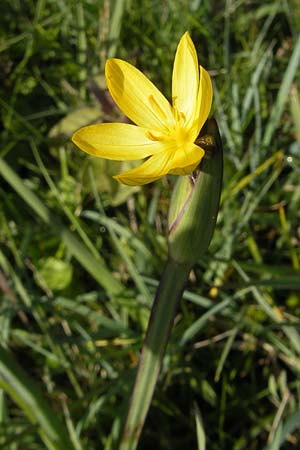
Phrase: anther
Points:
(152, 137)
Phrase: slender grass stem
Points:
(15, 381)
(168, 294)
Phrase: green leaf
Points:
(15, 381)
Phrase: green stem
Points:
(168, 294)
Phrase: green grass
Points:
(81, 256)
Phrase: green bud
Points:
(195, 201)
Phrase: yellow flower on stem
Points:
(165, 134)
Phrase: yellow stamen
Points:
(179, 116)
(153, 137)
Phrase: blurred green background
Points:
(81, 255)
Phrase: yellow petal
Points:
(137, 96)
(119, 141)
(185, 159)
(185, 170)
(185, 79)
(149, 171)
(180, 161)
(204, 100)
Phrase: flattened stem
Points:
(167, 297)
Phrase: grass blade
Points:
(201, 441)
(15, 381)
(98, 271)
(282, 95)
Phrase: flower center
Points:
(179, 134)
(177, 131)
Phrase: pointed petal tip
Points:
(185, 35)
(117, 178)
(205, 97)
(185, 78)
(75, 137)
(128, 181)
(124, 179)
(116, 141)
(110, 62)
(109, 66)
(186, 40)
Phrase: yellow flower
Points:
(165, 134)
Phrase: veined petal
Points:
(119, 141)
(137, 96)
(185, 159)
(154, 168)
(185, 170)
(178, 161)
(185, 79)
(204, 101)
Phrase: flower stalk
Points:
(168, 295)
(192, 218)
